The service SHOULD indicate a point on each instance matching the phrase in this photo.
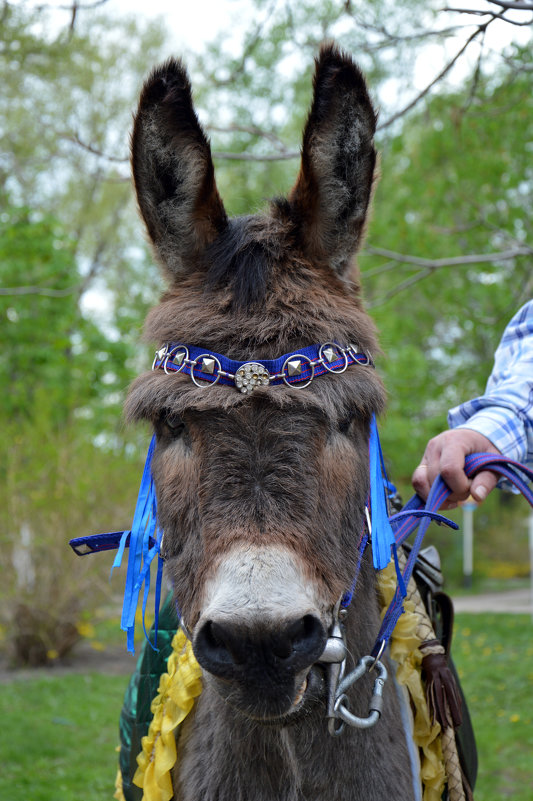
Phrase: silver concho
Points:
(251, 375)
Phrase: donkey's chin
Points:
(273, 703)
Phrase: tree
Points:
(67, 226)
(457, 186)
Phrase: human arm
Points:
(499, 421)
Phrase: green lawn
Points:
(494, 656)
(59, 737)
(59, 733)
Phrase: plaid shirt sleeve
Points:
(504, 413)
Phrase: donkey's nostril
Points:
(220, 644)
(299, 636)
(303, 631)
(281, 646)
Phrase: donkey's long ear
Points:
(173, 171)
(332, 193)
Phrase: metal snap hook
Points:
(341, 710)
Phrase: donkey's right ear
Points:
(173, 171)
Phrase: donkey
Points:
(261, 494)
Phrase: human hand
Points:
(445, 454)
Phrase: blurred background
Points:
(447, 261)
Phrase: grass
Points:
(60, 733)
(494, 657)
(59, 737)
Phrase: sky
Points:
(192, 24)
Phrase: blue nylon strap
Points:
(347, 597)
(382, 534)
(274, 366)
(513, 471)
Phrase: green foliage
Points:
(68, 228)
(53, 357)
(456, 181)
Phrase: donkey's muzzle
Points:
(230, 650)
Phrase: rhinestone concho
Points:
(250, 376)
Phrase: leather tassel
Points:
(442, 696)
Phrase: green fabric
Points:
(136, 714)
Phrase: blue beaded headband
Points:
(294, 369)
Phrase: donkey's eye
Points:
(173, 424)
(346, 422)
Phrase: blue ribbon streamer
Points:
(141, 555)
(382, 534)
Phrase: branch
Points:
(475, 11)
(38, 290)
(480, 13)
(74, 137)
(249, 47)
(481, 29)
(253, 131)
(289, 154)
(512, 6)
(454, 261)
(429, 266)
(393, 39)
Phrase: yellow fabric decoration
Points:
(178, 688)
(119, 792)
(405, 652)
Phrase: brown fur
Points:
(283, 468)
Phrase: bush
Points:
(58, 486)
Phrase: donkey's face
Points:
(260, 496)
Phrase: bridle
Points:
(385, 532)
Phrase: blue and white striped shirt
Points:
(504, 414)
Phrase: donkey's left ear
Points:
(173, 171)
(330, 199)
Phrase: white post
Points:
(468, 542)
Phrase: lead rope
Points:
(442, 711)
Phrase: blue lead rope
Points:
(405, 522)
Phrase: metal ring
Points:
(337, 347)
(353, 351)
(378, 655)
(205, 383)
(285, 377)
(173, 353)
(156, 357)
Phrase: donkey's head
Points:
(261, 494)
